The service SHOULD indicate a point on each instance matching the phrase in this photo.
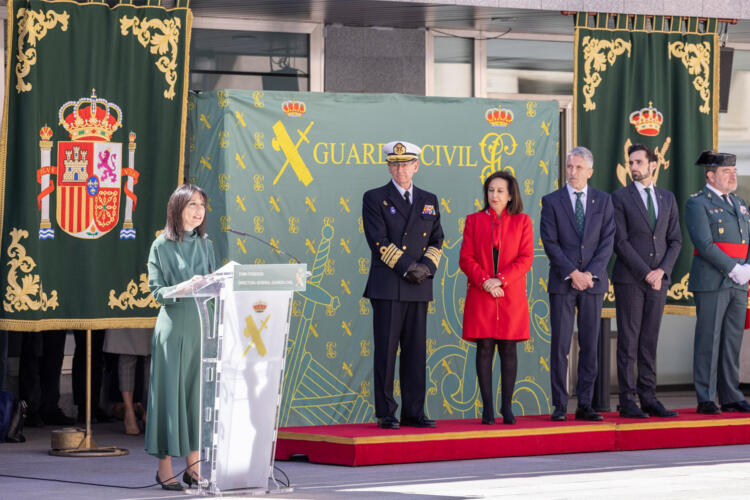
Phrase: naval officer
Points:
(402, 226)
(719, 226)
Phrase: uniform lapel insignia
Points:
(393, 210)
(428, 210)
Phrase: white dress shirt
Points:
(719, 193)
(642, 191)
(402, 191)
(571, 193)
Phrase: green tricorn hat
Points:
(711, 158)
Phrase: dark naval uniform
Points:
(720, 232)
(400, 235)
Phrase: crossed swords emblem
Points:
(282, 142)
(253, 331)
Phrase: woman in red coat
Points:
(496, 253)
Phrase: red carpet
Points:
(366, 444)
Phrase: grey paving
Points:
(708, 472)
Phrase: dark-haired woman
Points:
(496, 253)
(181, 252)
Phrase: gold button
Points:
(423, 248)
(405, 234)
(424, 234)
(404, 247)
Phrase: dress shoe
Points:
(587, 413)
(740, 406)
(488, 417)
(175, 485)
(56, 417)
(33, 419)
(388, 422)
(631, 410)
(190, 479)
(559, 415)
(98, 416)
(656, 409)
(420, 421)
(708, 408)
(509, 418)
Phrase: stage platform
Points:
(366, 444)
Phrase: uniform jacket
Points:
(400, 234)
(505, 317)
(709, 219)
(566, 249)
(639, 247)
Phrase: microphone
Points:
(265, 243)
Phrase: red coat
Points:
(505, 317)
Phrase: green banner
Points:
(653, 81)
(291, 168)
(92, 146)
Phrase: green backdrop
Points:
(655, 82)
(291, 168)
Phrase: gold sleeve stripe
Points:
(434, 255)
(390, 255)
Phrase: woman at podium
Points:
(181, 252)
(496, 253)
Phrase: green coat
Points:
(172, 427)
(709, 219)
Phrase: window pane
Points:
(529, 67)
(734, 125)
(221, 59)
(454, 73)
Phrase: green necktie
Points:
(650, 206)
(579, 212)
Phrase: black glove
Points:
(411, 274)
(417, 273)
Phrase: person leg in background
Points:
(3, 358)
(29, 388)
(126, 369)
(50, 368)
(79, 375)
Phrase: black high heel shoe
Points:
(508, 417)
(488, 419)
(176, 486)
(188, 479)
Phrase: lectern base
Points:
(250, 492)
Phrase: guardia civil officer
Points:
(402, 227)
(719, 226)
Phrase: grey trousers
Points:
(720, 322)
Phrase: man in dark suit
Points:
(718, 223)
(647, 243)
(577, 230)
(402, 227)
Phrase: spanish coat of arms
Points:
(89, 172)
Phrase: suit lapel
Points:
(416, 203)
(567, 207)
(638, 201)
(591, 201)
(663, 216)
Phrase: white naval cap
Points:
(401, 151)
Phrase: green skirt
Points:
(173, 422)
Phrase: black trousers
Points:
(79, 368)
(562, 313)
(639, 312)
(399, 323)
(39, 371)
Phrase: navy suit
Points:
(400, 234)
(568, 251)
(640, 248)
